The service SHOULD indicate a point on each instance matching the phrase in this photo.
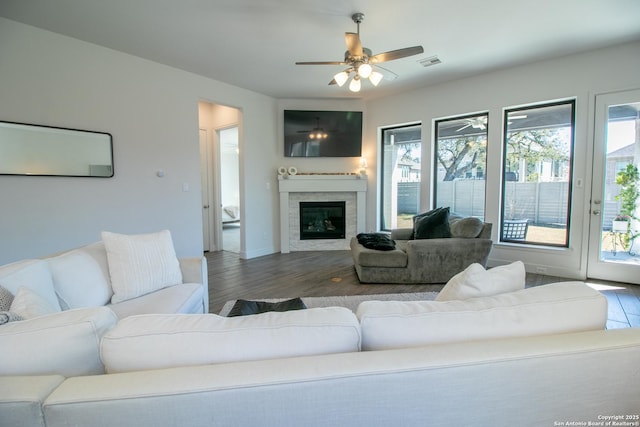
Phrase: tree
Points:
(535, 145)
(409, 152)
(628, 179)
(461, 155)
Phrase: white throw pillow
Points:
(475, 282)
(156, 341)
(79, 279)
(140, 264)
(35, 275)
(28, 304)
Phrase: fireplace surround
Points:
(325, 188)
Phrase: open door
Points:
(614, 236)
(220, 175)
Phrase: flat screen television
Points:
(322, 133)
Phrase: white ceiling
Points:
(255, 43)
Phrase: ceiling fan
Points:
(475, 122)
(481, 122)
(317, 132)
(360, 60)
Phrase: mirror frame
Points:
(44, 142)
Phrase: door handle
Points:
(596, 213)
(205, 207)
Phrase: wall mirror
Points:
(51, 151)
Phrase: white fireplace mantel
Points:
(319, 184)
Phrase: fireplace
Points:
(322, 220)
(293, 189)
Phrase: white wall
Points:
(580, 76)
(152, 112)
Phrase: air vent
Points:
(427, 62)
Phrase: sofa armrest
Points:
(21, 398)
(194, 270)
(401, 233)
(449, 246)
(486, 231)
(438, 260)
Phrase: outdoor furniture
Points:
(515, 229)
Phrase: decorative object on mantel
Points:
(327, 173)
(282, 170)
(363, 165)
(293, 170)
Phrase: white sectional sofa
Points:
(506, 357)
(68, 301)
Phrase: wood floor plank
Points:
(629, 302)
(616, 312)
(634, 320)
(331, 273)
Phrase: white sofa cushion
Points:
(140, 264)
(161, 341)
(548, 309)
(475, 282)
(27, 304)
(32, 274)
(65, 343)
(184, 298)
(81, 277)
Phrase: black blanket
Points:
(378, 241)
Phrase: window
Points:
(400, 181)
(460, 161)
(536, 187)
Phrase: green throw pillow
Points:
(432, 225)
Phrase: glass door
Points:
(614, 237)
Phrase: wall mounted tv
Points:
(322, 133)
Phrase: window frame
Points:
(381, 205)
(505, 139)
(434, 187)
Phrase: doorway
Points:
(614, 230)
(220, 136)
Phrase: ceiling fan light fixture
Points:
(355, 84)
(365, 70)
(375, 78)
(341, 78)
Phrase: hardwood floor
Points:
(331, 273)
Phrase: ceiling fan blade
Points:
(353, 44)
(386, 73)
(322, 63)
(333, 82)
(464, 127)
(396, 54)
